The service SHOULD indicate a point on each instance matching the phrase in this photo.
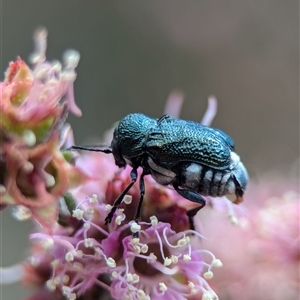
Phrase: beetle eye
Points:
(154, 148)
(119, 160)
(154, 151)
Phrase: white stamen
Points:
(153, 220)
(56, 280)
(68, 75)
(135, 227)
(162, 287)
(77, 266)
(144, 248)
(217, 263)
(183, 241)
(50, 285)
(127, 199)
(29, 138)
(69, 256)
(65, 279)
(119, 219)
(111, 262)
(94, 199)
(66, 290)
(67, 293)
(137, 249)
(48, 243)
(129, 277)
(78, 213)
(174, 259)
(151, 258)
(27, 167)
(233, 220)
(208, 296)
(135, 278)
(56, 66)
(72, 296)
(208, 275)
(34, 58)
(167, 261)
(49, 180)
(108, 207)
(22, 213)
(120, 211)
(88, 242)
(87, 226)
(134, 241)
(140, 295)
(71, 58)
(55, 263)
(191, 285)
(186, 257)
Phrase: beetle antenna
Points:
(106, 150)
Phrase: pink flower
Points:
(31, 99)
(165, 261)
(35, 172)
(76, 255)
(262, 259)
(160, 264)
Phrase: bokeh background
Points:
(134, 53)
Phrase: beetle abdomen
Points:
(207, 181)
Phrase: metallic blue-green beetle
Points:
(196, 160)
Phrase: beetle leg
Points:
(133, 176)
(138, 210)
(194, 197)
(142, 193)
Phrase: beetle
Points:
(196, 160)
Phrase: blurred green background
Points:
(134, 53)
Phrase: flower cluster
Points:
(34, 172)
(160, 264)
(75, 254)
(262, 259)
(165, 261)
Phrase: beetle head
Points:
(129, 139)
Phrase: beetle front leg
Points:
(138, 210)
(118, 201)
(142, 193)
(194, 197)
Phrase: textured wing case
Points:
(174, 140)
